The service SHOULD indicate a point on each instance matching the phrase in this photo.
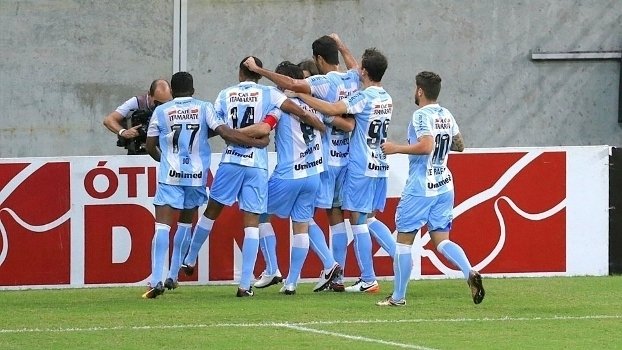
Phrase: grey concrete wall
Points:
(65, 64)
(480, 48)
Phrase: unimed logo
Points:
(34, 223)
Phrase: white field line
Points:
(354, 337)
(303, 324)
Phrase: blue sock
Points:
(339, 243)
(249, 255)
(402, 266)
(382, 234)
(319, 246)
(300, 248)
(179, 251)
(159, 252)
(201, 232)
(456, 255)
(362, 248)
(267, 243)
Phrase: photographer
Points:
(130, 120)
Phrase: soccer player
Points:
(242, 175)
(365, 187)
(180, 129)
(331, 86)
(428, 197)
(293, 185)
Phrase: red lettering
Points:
(89, 178)
(131, 173)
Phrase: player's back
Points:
(429, 174)
(183, 131)
(372, 108)
(242, 105)
(298, 146)
(333, 87)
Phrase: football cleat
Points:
(245, 292)
(336, 287)
(266, 280)
(288, 289)
(153, 292)
(477, 288)
(187, 269)
(170, 284)
(389, 301)
(327, 277)
(363, 287)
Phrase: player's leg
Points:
(412, 213)
(267, 244)
(377, 228)
(253, 200)
(224, 191)
(195, 196)
(439, 226)
(300, 248)
(168, 198)
(339, 236)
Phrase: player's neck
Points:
(367, 83)
(330, 68)
(423, 102)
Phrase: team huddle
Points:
(331, 144)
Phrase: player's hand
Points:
(389, 148)
(250, 64)
(337, 38)
(290, 93)
(131, 132)
(264, 141)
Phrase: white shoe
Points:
(267, 280)
(328, 276)
(363, 287)
(288, 289)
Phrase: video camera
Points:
(137, 144)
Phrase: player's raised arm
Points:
(306, 117)
(341, 123)
(282, 81)
(348, 58)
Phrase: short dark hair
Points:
(430, 83)
(182, 84)
(327, 48)
(154, 85)
(375, 63)
(289, 69)
(309, 66)
(249, 73)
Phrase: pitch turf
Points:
(518, 313)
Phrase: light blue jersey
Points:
(332, 87)
(298, 146)
(242, 105)
(182, 125)
(372, 109)
(428, 174)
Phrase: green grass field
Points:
(518, 313)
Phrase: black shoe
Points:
(170, 284)
(245, 292)
(187, 269)
(477, 288)
(153, 292)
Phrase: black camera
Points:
(136, 145)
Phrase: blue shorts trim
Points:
(180, 197)
(415, 211)
(246, 185)
(293, 198)
(363, 193)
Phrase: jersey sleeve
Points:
(154, 125)
(355, 103)
(455, 130)
(354, 75)
(127, 106)
(421, 124)
(276, 97)
(320, 86)
(211, 116)
(219, 106)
